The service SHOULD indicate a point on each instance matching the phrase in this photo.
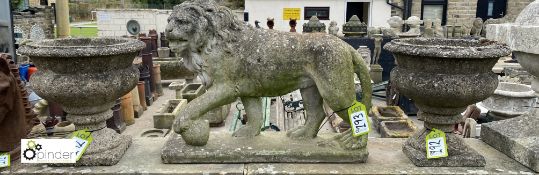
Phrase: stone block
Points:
(192, 91)
(397, 129)
(517, 138)
(165, 117)
(267, 147)
(390, 113)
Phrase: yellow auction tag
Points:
(4, 160)
(82, 139)
(358, 119)
(436, 144)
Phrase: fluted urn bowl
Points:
(443, 77)
(86, 76)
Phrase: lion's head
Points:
(199, 24)
(198, 27)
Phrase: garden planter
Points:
(389, 113)
(510, 100)
(443, 77)
(86, 76)
(163, 52)
(165, 117)
(397, 129)
(192, 91)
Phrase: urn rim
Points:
(81, 47)
(448, 48)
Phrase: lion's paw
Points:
(246, 131)
(301, 132)
(349, 142)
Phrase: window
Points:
(321, 12)
(434, 9)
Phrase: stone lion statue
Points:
(239, 61)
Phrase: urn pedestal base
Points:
(460, 154)
(108, 148)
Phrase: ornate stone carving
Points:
(314, 25)
(235, 60)
(354, 27)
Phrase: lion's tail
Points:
(362, 71)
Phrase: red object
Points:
(31, 70)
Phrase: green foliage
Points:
(15, 4)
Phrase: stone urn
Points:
(510, 100)
(443, 77)
(86, 76)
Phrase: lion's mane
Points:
(217, 29)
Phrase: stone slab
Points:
(142, 157)
(267, 147)
(518, 138)
(386, 157)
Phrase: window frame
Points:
(435, 2)
(318, 8)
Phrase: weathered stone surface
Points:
(314, 25)
(86, 76)
(413, 22)
(177, 86)
(397, 129)
(144, 157)
(173, 68)
(517, 137)
(390, 113)
(192, 91)
(234, 61)
(267, 147)
(517, 35)
(354, 27)
(167, 113)
(395, 24)
(510, 100)
(443, 77)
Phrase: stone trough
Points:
(192, 91)
(397, 129)
(167, 113)
(389, 113)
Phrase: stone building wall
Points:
(463, 10)
(34, 26)
(113, 22)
